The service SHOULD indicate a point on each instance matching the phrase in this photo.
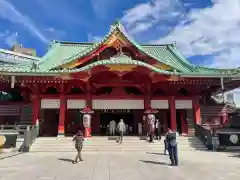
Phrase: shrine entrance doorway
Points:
(117, 114)
(73, 122)
(49, 122)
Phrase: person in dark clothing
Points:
(165, 147)
(158, 129)
(78, 139)
(151, 137)
(172, 147)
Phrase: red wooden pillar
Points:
(35, 108)
(173, 122)
(184, 125)
(62, 115)
(196, 113)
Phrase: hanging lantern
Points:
(87, 110)
(149, 110)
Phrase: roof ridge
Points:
(70, 42)
(92, 43)
(179, 56)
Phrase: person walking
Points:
(171, 138)
(215, 140)
(78, 139)
(112, 127)
(151, 128)
(165, 146)
(158, 129)
(140, 128)
(121, 129)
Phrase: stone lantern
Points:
(150, 117)
(87, 116)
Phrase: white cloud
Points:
(92, 38)
(9, 38)
(144, 16)
(54, 34)
(210, 31)
(102, 8)
(9, 12)
(12, 39)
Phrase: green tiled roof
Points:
(121, 59)
(63, 53)
(66, 52)
(60, 52)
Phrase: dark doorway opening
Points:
(179, 121)
(49, 122)
(73, 122)
(106, 117)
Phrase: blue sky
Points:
(206, 31)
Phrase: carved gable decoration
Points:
(120, 63)
(116, 40)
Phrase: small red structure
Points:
(87, 115)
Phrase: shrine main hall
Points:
(115, 78)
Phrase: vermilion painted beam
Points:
(86, 58)
(117, 85)
(119, 97)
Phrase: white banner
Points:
(183, 104)
(159, 104)
(76, 103)
(118, 104)
(50, 103)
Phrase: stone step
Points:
(109, 144)
(102, 144)
(113, 150)
(106, 139)
(114, 144)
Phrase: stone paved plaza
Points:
(120, 166)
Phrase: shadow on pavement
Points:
(10, 156)
(235, 155)
(156, 153)
(65, 159)
(153, 162)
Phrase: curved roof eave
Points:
(111, 61)
(124, 60)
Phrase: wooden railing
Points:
(30, 135)
(20, 128)
(203, 132)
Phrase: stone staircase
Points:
(103, 144)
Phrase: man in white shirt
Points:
(112, 127)
(121, 129)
